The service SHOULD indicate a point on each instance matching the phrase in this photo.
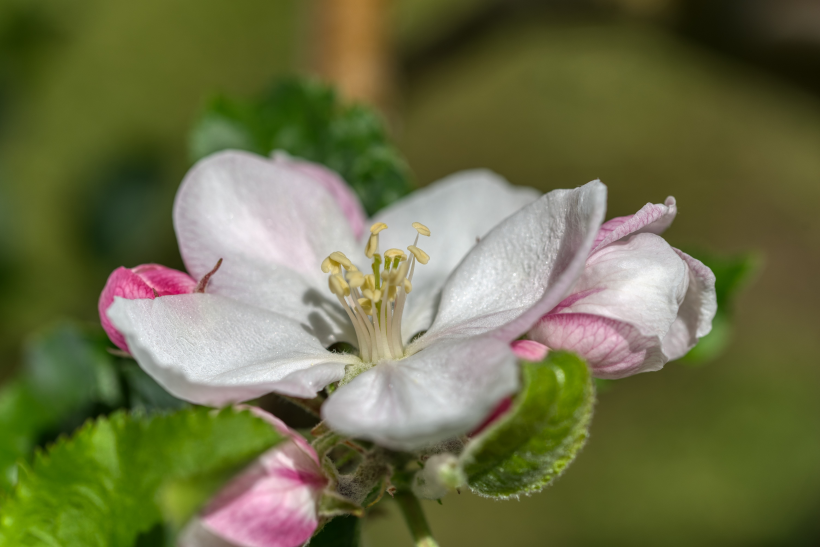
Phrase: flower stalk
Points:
(416, 521)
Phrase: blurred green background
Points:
(716, 103)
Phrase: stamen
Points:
(338, 285)
(340, 258)
(377, 261)
(355, 278)
(372, 295)
(391, 254)
(330, 266)
(420, 255)
(422, 229)
(375, 302)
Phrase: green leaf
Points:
(101, 487)
(307, 120)
(546, 426)
(66, 375)
(340, 532)
(732, 275)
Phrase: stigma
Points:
(374, 302)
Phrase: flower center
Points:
(374, 302)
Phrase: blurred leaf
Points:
(342, 531)
(306, 119)
(100, 487)
(67, 377)
(530, 445)
(144, 392)
(732, 275)
(65, 373)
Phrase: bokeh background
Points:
(714, 101)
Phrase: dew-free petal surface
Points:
(447, 389)
(212, 350)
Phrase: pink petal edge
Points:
(137, 283)
(651, 218)
(612, 349)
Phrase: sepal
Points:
(533, 443)
(334, 504)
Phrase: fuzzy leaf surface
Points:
(100, 487)
(546, 426)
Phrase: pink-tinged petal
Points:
(694, 320)
(145, 281)
(652, 218)
(445, 390)
(522, 269)
(273, 503)
(272, 226)
(639, 280)
(345, 196)
(212, 350)
(126, 284)
(612, 349)
(459, 210)
(529, 350)
(165, 281)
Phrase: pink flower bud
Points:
(273, 503)
(145, 281)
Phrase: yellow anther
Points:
(420, 255)
(355, 279)
(391, 294)
(340, 258)
(378, 227)
(421, 228)
(372, 246)
(370, 281)
(338, 285)
(373, 295)
(366, 306)
(408, 286)
(330, 266)
(390, 254)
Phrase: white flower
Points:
(500, 257)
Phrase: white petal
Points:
(694, 319)
(211, 350)
(639, 280)
(272, 226)
(445, 390)
(459, 210)
(523, 267)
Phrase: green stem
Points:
(414, 516)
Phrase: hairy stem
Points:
(414, 516)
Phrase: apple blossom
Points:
(273, 503)
(638, 303)
(500, 258)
